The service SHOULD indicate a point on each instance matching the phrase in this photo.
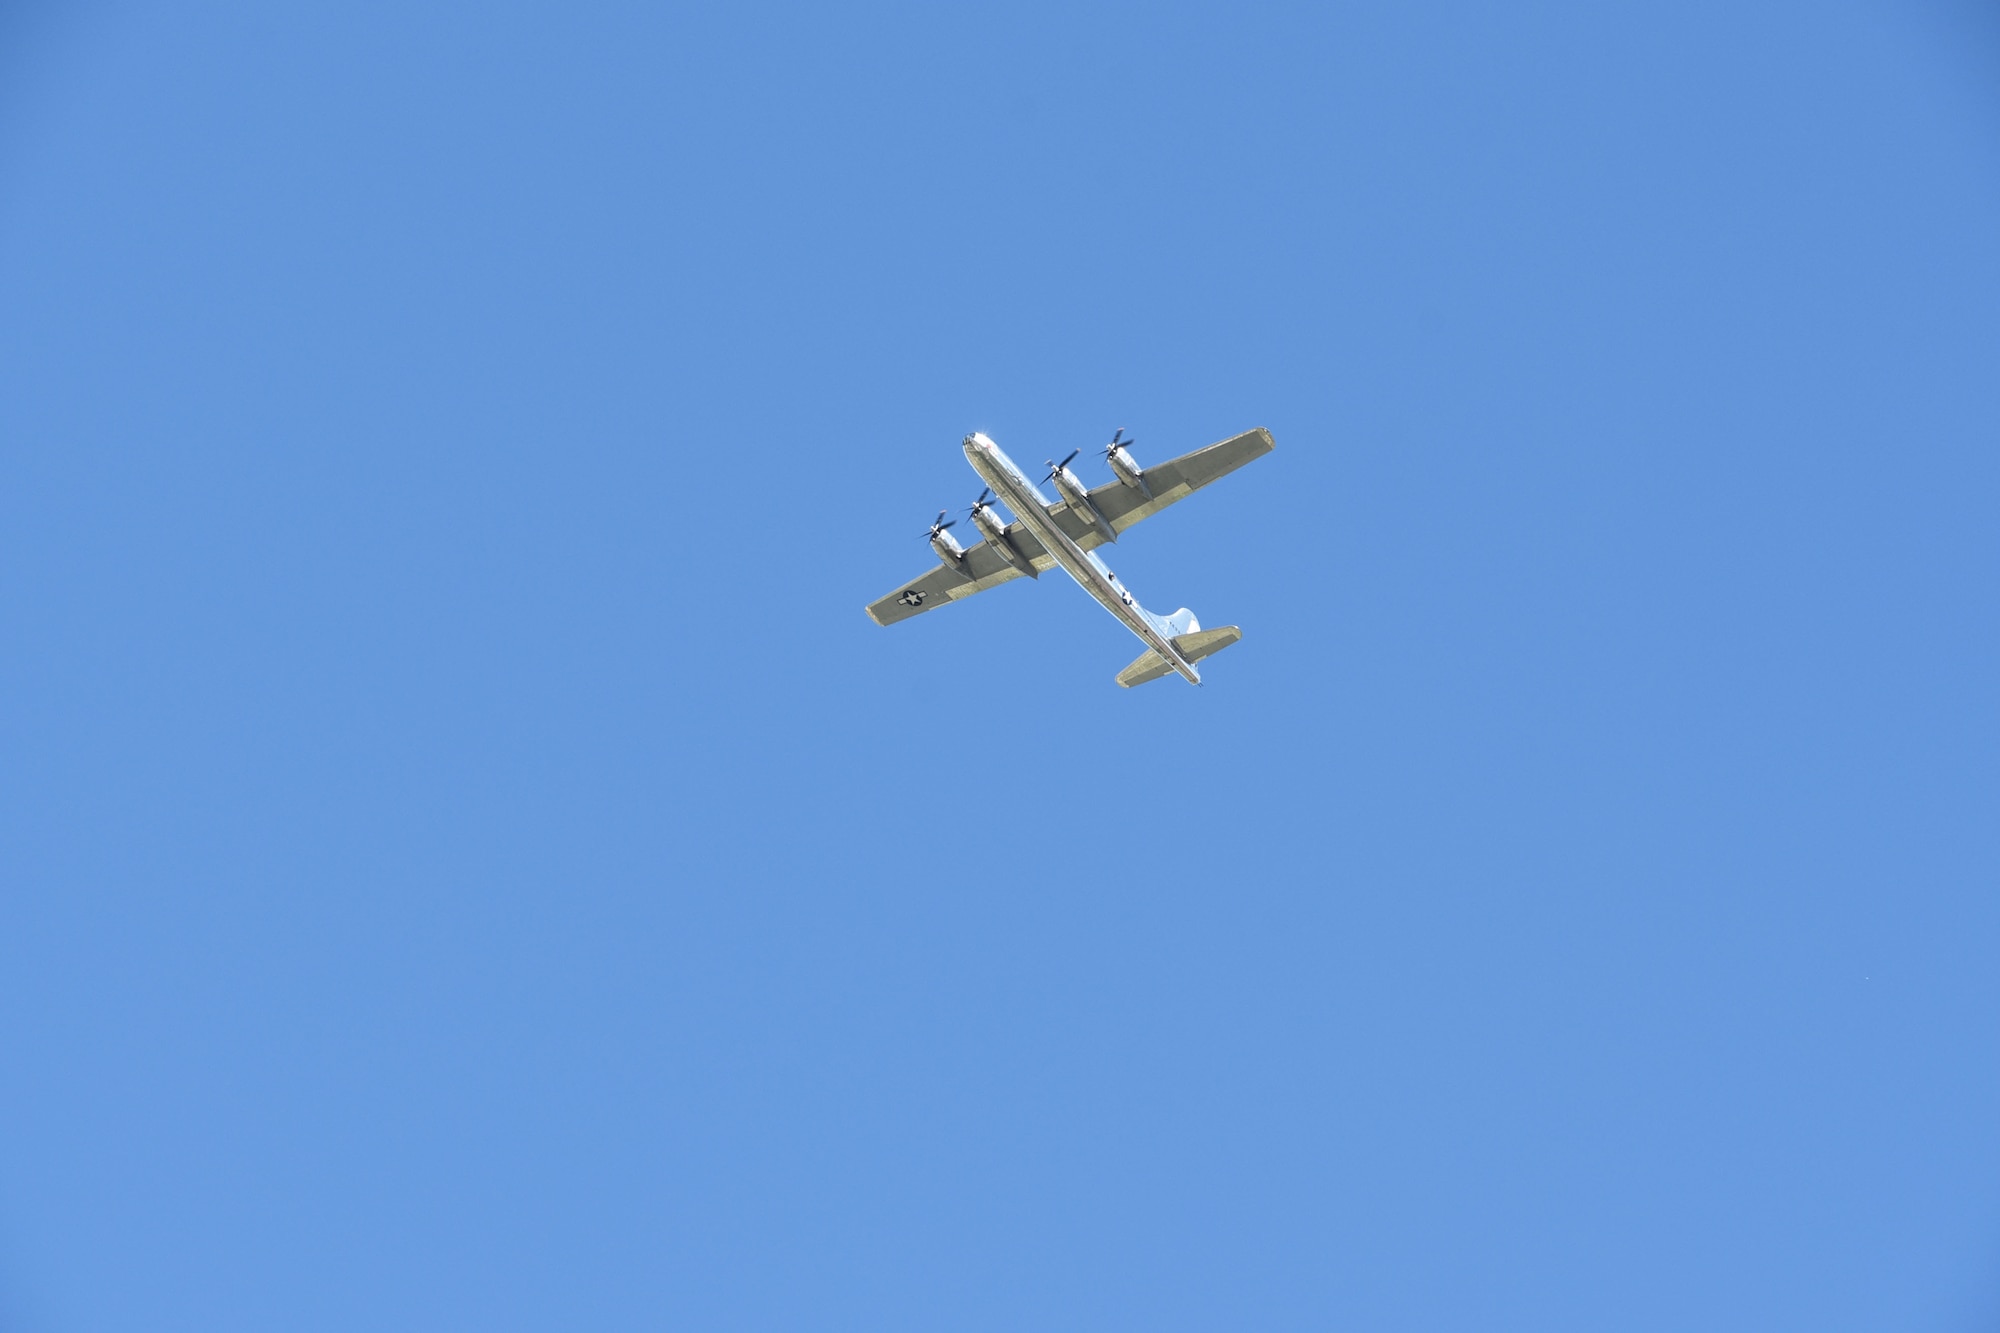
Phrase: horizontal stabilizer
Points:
(1194, 647)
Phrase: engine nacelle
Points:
(995, 531)
(947, 547)
(989, 524)
(1128, 470)
(1078, 495)
(1072, 488)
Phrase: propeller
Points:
(1055, 467)
(1118, 441)
(939, 525)
(985, 494)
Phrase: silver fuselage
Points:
(1031, 507)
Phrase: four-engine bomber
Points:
(1066, 532)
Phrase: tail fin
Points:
(1193, 646)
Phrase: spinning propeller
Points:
(1118, 441)
(984, 494)
(1055, 467)
(939, 525)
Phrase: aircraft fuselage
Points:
(1030, 506)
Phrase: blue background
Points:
(470, 863)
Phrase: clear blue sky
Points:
(470, 863)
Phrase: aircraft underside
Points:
(1066, 532)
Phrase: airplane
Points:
(1067, 532)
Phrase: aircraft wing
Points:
(1123, 505)
(982, 568)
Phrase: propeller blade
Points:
(1072, 454)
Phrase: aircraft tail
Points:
(1193, 646)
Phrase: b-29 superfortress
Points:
(1066, 532)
